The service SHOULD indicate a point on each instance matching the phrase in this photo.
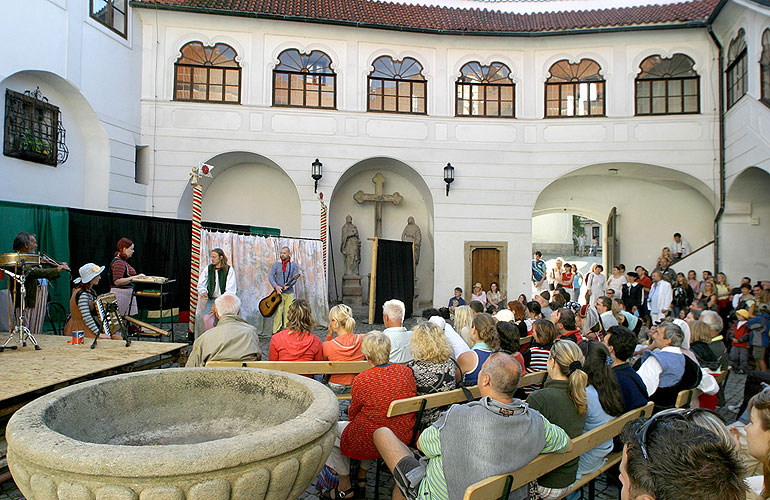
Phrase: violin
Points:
(48, 260)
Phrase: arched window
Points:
(667, 86)
(764, 67)
(484, 90)
(208, 74)
(304, 80)
(397, 86)
(574, 89)
(736, 68)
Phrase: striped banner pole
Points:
(324, 230)
(195, 253)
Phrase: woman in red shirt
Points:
(566, 280)
(296, 343)
(373, 391)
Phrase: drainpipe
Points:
(721, 111)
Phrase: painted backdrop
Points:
(253, 256)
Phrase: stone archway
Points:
(745, 236)
(417, 203)
(84, 179)
(652, 203)
(247, 189)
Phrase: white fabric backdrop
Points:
(252, 257)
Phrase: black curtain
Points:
(395, 275)
(162, 246)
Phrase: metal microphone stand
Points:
(21, 329)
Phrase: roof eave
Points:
(699, 23)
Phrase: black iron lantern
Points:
(449, 176)
(316, 173)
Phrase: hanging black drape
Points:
(395, 275)
(162, 246)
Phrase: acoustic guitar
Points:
(269, 304)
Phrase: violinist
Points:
(36, 283)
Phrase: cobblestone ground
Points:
(605, 489)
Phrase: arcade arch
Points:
(651, 203)
(417, 203)
(247, 189)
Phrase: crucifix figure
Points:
(378, 198)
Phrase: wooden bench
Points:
(301, 367)
(684, 398)
(499, 487)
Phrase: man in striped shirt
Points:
(469, 442)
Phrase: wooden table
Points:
(26, 374)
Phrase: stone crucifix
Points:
(378, 198)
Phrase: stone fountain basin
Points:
(174, 434)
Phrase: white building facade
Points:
(661, 173)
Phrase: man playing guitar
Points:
(282, 280)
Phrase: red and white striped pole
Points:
(324, 230)
(195, 246)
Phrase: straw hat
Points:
(477, 285)
(88, 272)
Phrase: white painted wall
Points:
(552, 228)
(253, 194)
(96, 71)
(501, 165)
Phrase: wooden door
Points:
(485, 267)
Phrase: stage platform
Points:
(28, 374)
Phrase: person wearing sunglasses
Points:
(680, 455)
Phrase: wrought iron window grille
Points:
(33, 128)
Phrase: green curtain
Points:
(51, 226)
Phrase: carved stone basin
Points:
(174, 434)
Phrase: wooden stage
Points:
(27, 374)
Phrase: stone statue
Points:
(351, 247)
(412, 233)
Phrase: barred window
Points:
(305, 80)
(111, 13)
(667, 86)
(397, 86)
(736, 68)
(485, 91)
(574, 89)
(764, 67)
(33, 128)
(207, 74)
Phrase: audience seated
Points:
(604, 402)
(346, 346)
(519, 311)
(564, 319)
(393, 312)
(510, 340)
(604, 308)
(587, 321)
(476, 306)
(233, 339)
(667, 370)
(456, 342)
(296, 342)
(433, 368)
(671, 457)
(758, 441)
(485, 340)
(563, 402)
(543, 336)
(457, 300)
(469, 442)
(621, 342)
(373, 391)
(700, 338)
(462, 323)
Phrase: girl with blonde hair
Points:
(433, 367)
(462, 323)
(295, 342)
(346, 346)
(563, 402)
